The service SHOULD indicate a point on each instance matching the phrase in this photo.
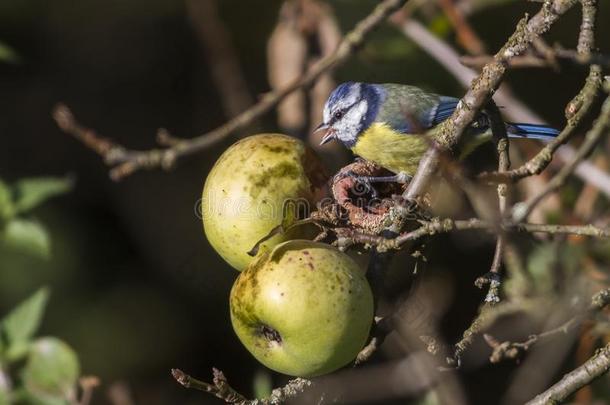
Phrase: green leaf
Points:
(52, 369)
(31, 192)
(28, 236)
(7, 54)
(7, 209)
(20, 325)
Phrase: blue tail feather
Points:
(531, 131)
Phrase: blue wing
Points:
(431, 117)
(442, 110)
(426, 118)
(430, 110)
(531, 131)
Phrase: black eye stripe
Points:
(337, 115)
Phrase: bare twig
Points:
(485, 310)
(514, 350)
(576, 109)
(380, 330)
(525, 61)
(592, 369)
(533, 61)
(350, 236)
(221, 389)
(502, 145)
(87, 385)
(600, 128)
(125, 162)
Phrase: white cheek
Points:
(358, 112)
(350, 125)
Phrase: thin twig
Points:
(533, 61)
(525, 61)
(600, 128)
(502, 147)
(592, 369)
(379, 332)
(576, 109)
(485, 310)
(436, 226)
(87, 384)
(125, 162)
(221, 389)
(514, 350)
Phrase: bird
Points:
(388, 124)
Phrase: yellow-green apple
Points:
(303, 308)
(258, 183)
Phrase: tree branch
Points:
(483, 87)
(514, 350)
(576, 109)
(519, 112)
(350, 236)
(600, 128)
(535, 61)
(221, 389)
(592, 369)
(502, 147)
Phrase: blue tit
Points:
(388, 123)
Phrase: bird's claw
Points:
(364, 181)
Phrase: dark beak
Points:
(329, 133)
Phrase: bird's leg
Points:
(401, 178)
(362, 186)
(366, 181)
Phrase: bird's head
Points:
(349, 111)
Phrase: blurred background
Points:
(135, 287)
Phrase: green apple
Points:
(302, 309)
(246, 193)
(51, 371)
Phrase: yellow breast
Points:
(392, 150)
